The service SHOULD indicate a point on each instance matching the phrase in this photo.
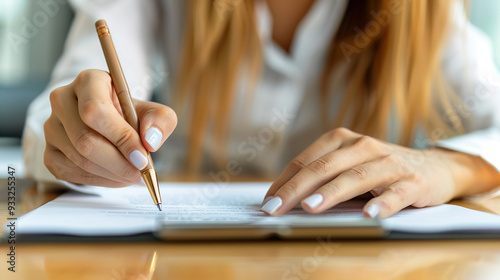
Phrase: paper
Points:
(443, 218)
(130, 210)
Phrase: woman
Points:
(258, 84)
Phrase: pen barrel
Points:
(126, 103)
(117, 75)
(119, 82)
(128, 110)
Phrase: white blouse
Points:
(282, 118)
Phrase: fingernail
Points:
(272, 205)
(314, 200)
(373, 211)
(138, 159)
(266, 200)
(153, 137)
(142, 182)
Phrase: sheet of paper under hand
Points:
(128, 211)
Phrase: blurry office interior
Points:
(32, 34)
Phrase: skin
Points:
(286, 18)
(343, 164)
(88, 142)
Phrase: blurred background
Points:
(32, 34)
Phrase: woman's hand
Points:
(89, 141)
(343, 164)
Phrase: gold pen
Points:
(123, 93)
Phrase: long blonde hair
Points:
(396, 71)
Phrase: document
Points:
(128, 211)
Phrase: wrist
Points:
(471, 174)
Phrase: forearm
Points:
(471, 174)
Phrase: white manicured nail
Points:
(314, 200)
(142, 182)
(138, 159)
(272, 205)
(373, 211)
(153, 137)
(266, 200)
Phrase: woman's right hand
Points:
(89, 142)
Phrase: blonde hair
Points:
(396, 71)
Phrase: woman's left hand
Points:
(342, 164)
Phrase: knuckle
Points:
(422, 202)
(403, 167)
(50, 162)
(153, 112)
(298, 163)
(47, 129)
(359, 173)
(55, 97)
(90, 112)
(88, 76)
(69, 162)
(164, 113)
(124, 137)
(82, 162)
(415, 178)
(86, 143)
(392, 159)
(86, 164)
(331, 188)
(366, 141)
(127, 171)
(401, 193)
(321, 166)
(369, 144)
(85, 75)
(90, 179)
(340, 132)
(288, 190)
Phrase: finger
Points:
(323, 170)
(63, 169)
(327, 143)
(355, 181)
(395, 197)
(157, 122)
(58, 139)
(87, 142)
(97, 110)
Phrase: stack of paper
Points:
(127, 211)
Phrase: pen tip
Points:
(159, 206)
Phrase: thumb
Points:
(156, 122)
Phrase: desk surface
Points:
(315, 259)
